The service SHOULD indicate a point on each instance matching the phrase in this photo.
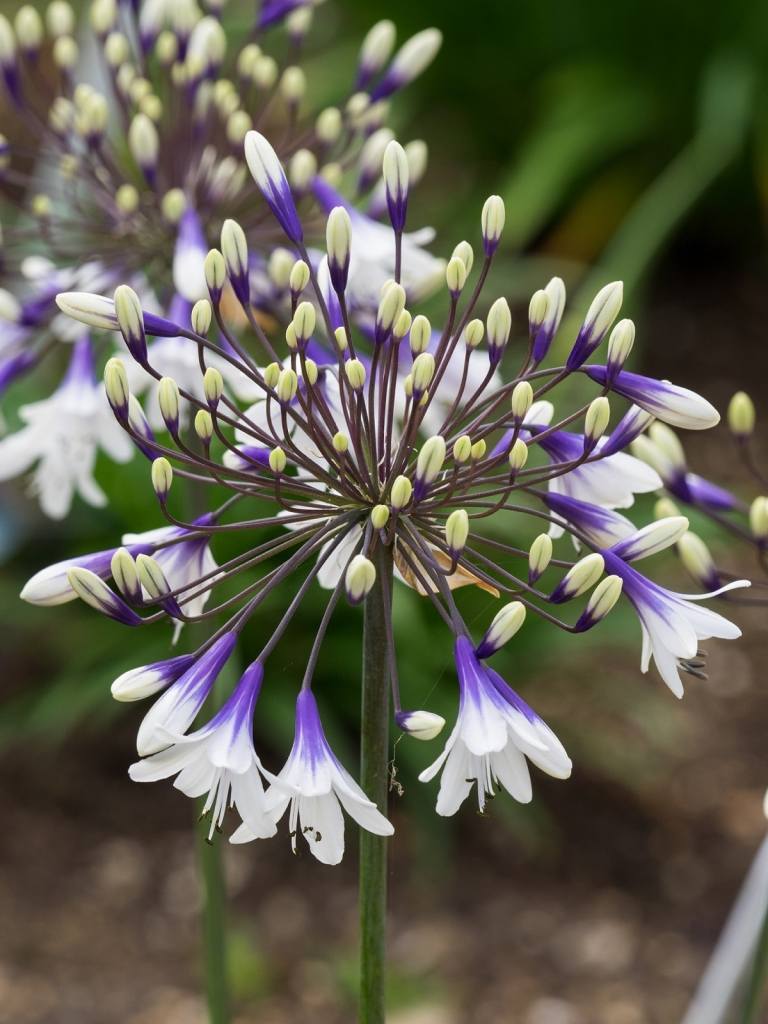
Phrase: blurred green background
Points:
(628, 141)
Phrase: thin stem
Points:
(214, 928)
(374, 759)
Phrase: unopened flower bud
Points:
(213, 386)
(391, 305)
(421, 332)
(94, 591)
(429, 463)
(537, 310)
(457, 530)
(505, 624)
(492, 223)
(162, 477)
(455, 275)
(498, 325)
(479, 448)
(338, 240)
(395, 171)
(60, 19)
(596, 420)
(168, 400)
(304, 321)
(518, 455)
(29, 29)
(277, 461)
(741, 415)
(301, 169)
(234, 249)
(465, 253)
(204, 425)
(417, 154)
(462, 448)
(127, 199)
(279, 267)
(375, 51)
(152, 577)
(328, 125)
(600, 315)
(579, 578)
(668, 443)
(522, 400)
(272, 374)
(695, 556)
(474, 333)
(116, 386)
(619, 346)
(539, 556)
(215, 270)
(379, 516)
(665, 508)
(354, 371)
(201, 316)
(287, 385)
(342, 341)
(173, 205)
(125, 575)
(601, 601)
(293, 85)
(66, 53)
(422, 725)
(401, 492)
(423, 371)
(130, 319)
(402, 325)
(144, 144)
(360, 578)
(758, 518)
(340, 442)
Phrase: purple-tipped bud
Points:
(395, 170)
(95, 592)
(269, 175)
(600, 315)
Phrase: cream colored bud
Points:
(665, 508)
(279, 267)
(695, 556)
(272, 375)
(166, 48)
(201, 316)
(213, 385)
(430, 459)
(583, 575)
(168, 400)
(415, 55)
(66, 53)
(668, 443)
(741, 414)
(130, 317)
(394, 168)
(173, 205)
(539, 555)
(505, 624)
(423, 371)
(277, 461)
(117, 49)
(29, 28)
(152, 576)
(421, 725)
(620, 342)
(116, 383)
(340, 443)
(498, 324)
(332, 173)
(522, 400)
(596, 420)
(287, 385)
(310, 372)
(60, 19)
(293, 85)
(474, 333)
(537, 309)
(402, 325)
(457, 530)
(10, 307)
(479, 448)
(239, 123)
(758, 518)
(377, 46)
(417, 153)
(203, 425)
(265, 72)
(304, 321)
(341, 339)
(401, 492)
(354, 371)
(408, 385)
(143, 141)
(290, 337)
(298, 22)
(162, 476)
(359, 578)
(152, 106)
(328, 125)
(234, 249)
(603, 598)
(455, 275)
(421, 333)
(215, 270)
(338, 236)
(492, 221)
(124, 573)
(462, 448)
(465, 253)
(371, 157)
(518, 455)
(391, 306)
(379, 516)
(247, 58)
(604, 308)
(302, 167)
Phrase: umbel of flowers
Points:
(123, 159)
(385, 451)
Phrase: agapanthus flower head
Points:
(129, 162)
(386, 452)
